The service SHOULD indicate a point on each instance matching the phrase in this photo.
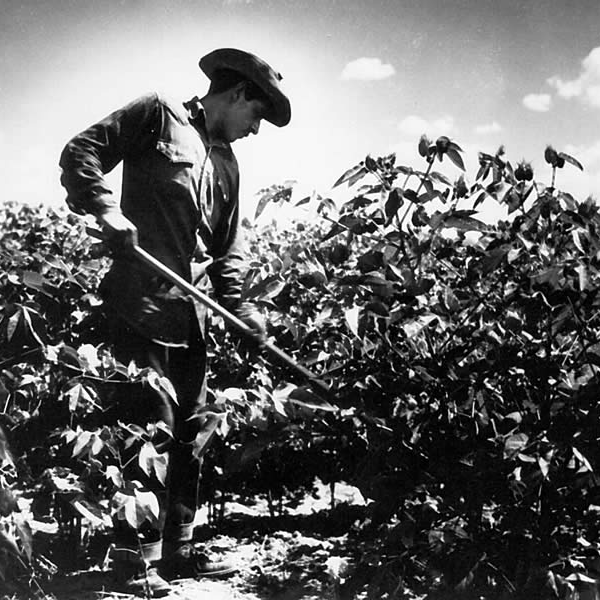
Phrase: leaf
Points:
(81, 395)
(113, 473)
(582, 274)
(568, 158)
(411, 196)
(209, 422)
(352, 175)
(92, 513)
(38, 282)
(151, 461)
(135, 505)
(585, 463)
(424, 144)
(262, 204)
(35, 325)
(307, 398)
(414, 327)
(377, 308)
(276, 193)
(550, 155)
(351, 316)
(325, 205)
(514, 444)
(161, 384)
(83, 439)
(268, 287)
(439, 177)
(456, 158)
(304, 200)
(393, 203)
(462, 220)
(8, 543)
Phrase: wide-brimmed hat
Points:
(257, 71)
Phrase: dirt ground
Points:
(301, 554)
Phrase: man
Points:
(179, 200)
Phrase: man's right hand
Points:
(120, 234)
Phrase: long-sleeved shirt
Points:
(180, 191)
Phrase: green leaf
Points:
(325, 205)
(424, 144)
(351, 316)
(551, 156)
(307, 398)
(456, 158)
(151, 461)
(440, 178)
(568, 158)
(352, 175)
(514, 444)
(91, 512)
(393, 203)
(209, 423)
(81, 395)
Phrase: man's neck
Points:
(211, 121)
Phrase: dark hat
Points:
(257, 71)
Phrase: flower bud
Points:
(524, 171)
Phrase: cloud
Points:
(586, 87)
(367, 69)
(586, 183)
(488, 128)
(415, 126)
(537, 102)
(588, 156)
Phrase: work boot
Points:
(186, 561)
(145, 583)
(136, 573)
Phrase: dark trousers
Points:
(142, 404)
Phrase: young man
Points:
(179, 201)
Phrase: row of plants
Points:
(461, 358)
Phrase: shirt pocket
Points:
(176, 165)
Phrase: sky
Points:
(363, 77)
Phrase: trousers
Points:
(142, 404)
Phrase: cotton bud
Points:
(524, 171)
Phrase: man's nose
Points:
(255, 127)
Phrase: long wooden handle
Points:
(230, 318)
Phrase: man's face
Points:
(242, 117)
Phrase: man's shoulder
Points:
(174, 104)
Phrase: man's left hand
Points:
(250, 316)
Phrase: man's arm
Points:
(96, 151)
(227, 274)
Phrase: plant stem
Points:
(429, 166)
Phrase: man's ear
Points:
(238, 91)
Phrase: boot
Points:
(182, 559)
(136, 573)
(187, 561)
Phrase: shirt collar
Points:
(197, 116)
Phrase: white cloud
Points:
(586, 87)
(367, 69)
(582, 184)
(415, 126)
(488, 128)
(537, 102)
(588, 156)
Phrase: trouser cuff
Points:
(129, 555)
(179, 533)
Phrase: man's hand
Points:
(119, 232)
(248, 313)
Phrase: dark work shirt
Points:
(180, 191)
